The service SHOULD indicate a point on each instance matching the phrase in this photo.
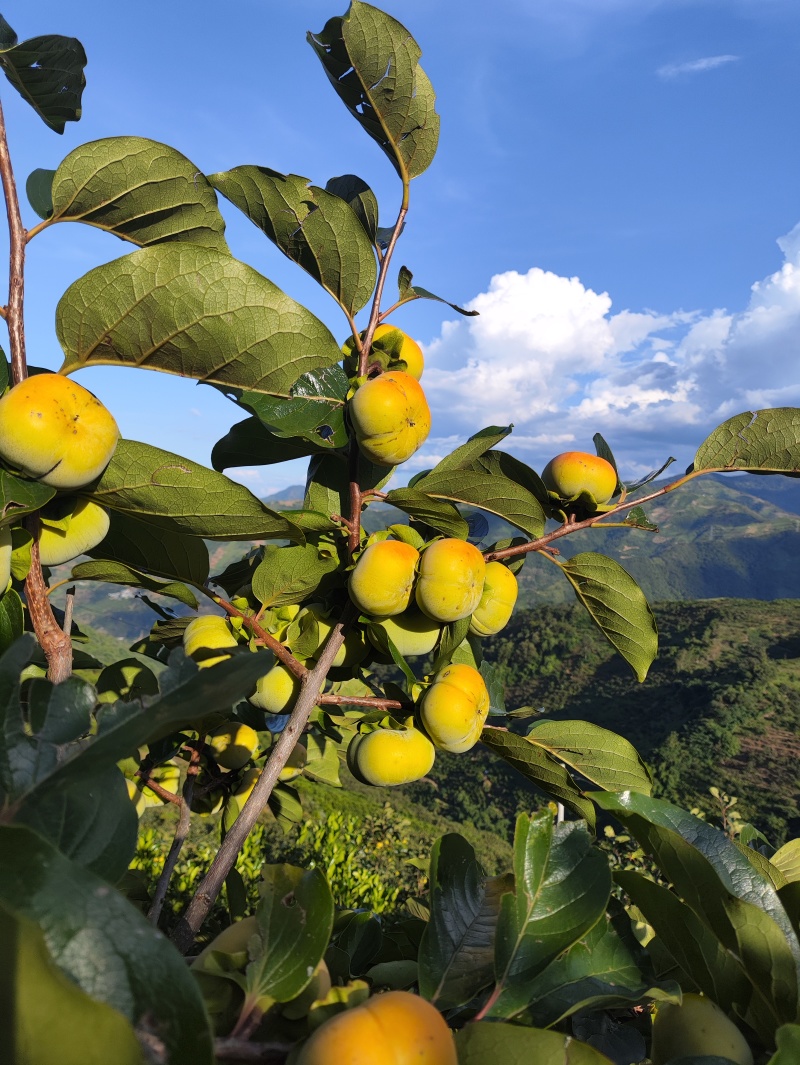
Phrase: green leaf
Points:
(104, 945)
(250, 443)
(603, 757)
(453, 635)
(440, 515)
(562, 886)
(317, 229)
(176, 494)
(353, 190)
(483, 1041)
(714, 970)
(409, 292)
(291, 574)
(767, 959)
(607, 968)
(137, 189)
(152, 549)
(787, 1039)
(195, 312)
(540, 767)
(463, 457)
(12, 619)
(39, 189)
(637, 519)
(19, 497)
(492, 492)
(118, 573)
(322, 762)
(372, 61)
(617, 606)
(314, 410)
(605, 452)
(456, 955)
(328, 482)
(47, 72)
(787, 860)
(49, 1018)
(765, 440)
(295, 918)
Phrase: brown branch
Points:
(359, 700)
(354, 524)
(54, 641)
(571, 526)
(262, 636)
(16, 268)
(155, 787)
(181, 834)
(211, 884)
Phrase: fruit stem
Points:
(211, 884)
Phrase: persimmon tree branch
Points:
(262, 636)
(374, 703)
(211, 884)
(181, 834)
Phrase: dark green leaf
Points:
(138, 189)
(409, 292)
(633, 486)
(361, 198)
(437, 513)
(295, 918)
(47, 72)
(291, 574)
(12, 619)
(317, 229)
(765, 440)
(605, 452)
(19, 497)
(489, 491)
(463, 457)
(119, 573)
(562, 886)
(314, 411)
(483, 1042)
(603, 757)
(39, 188)
(456, 955)
(176, 494)
(152, 549)
(372, 62)
(453, 635)
(617, 606)
(195, 312)
(540, 767)
(328, 482)
(104, 945)
(250, 443)
(47, 1018)
(493, 677)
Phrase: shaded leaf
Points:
(765, 440)
(456, 955)
(604, 452)
(328, 482)
(250, 443)
(603, 757)
(409, 292)
(633, 486)
(372, 61)
(151, 549)
(39, 189)
(437, 513)
(617, 605)
(195, 312)
(19, 497)
(489, 491)
(118, 573)
(351, 189)
(315, 228)
(174, 493)
(12, 619)
(104, 945)
(47, 72)
(562, 886)
(483, 1041)
(787, 1039)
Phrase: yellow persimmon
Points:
(209, 632)
(88, 525)
(696, 1028)
(573, 472)
(276, 691)
(451, 577)
(387, 757)
(383, 579)
(412, 633)
(233, 744)
(497, 601)
(453, 710)
(391, 417)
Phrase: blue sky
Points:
(615, 190)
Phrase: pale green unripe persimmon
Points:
(383, 579)
(233, 744)
(573, 472)
(391, 417)
(5, 558)
(397, 1028)
(87, 527)
(209, 632)
(450, 582)
(497, 601)
(698, 1027)
(276, 691)
(453, 710)
(412, 633)
(55, 431)
(387, 757)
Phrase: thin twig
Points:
(69, 606)
(359, 700)
(16, 270)
(181, 834)
(211, 884)
(239, 1050)
(261, 635)
(156, 788)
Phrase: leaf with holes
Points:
(372, 61)
(19, 497)
(47, 72)
(617, 605)
(195, 312)
(766, 441)
(138, 189)
(314, 228)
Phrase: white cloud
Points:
(695, 66)
(549, 355)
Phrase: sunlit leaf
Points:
(766, 441)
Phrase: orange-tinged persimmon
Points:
(390, 417)
(383, 579)
(397, 1028)
(573, 472)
